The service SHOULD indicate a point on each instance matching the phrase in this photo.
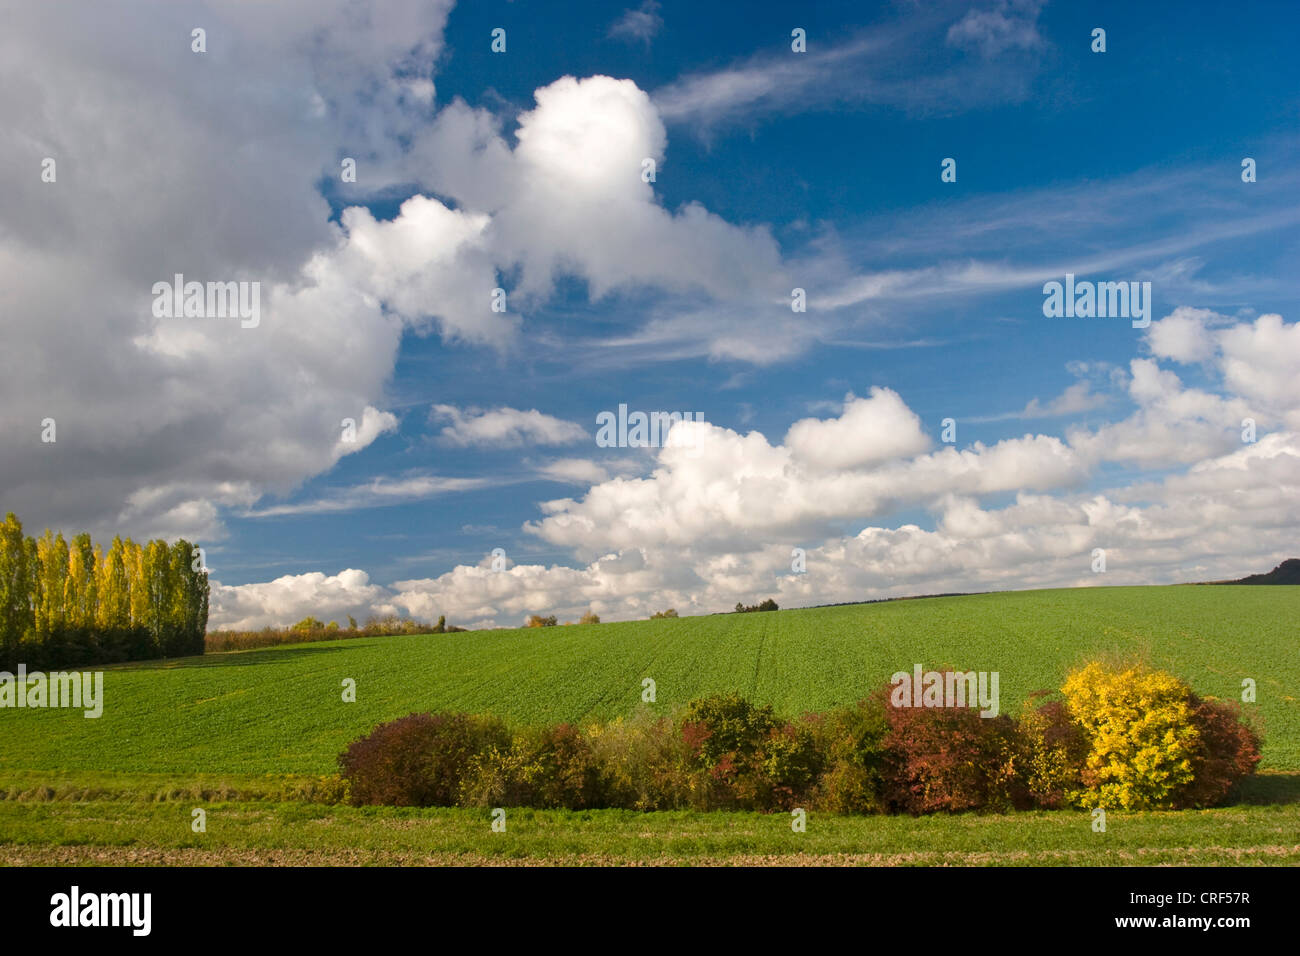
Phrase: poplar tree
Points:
(191, 603)
(52, 569)
(113, 616)
(162, 597)
(15, 589)
(69, 604)
(80, 593)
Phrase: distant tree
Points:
(309, 624)
(591, 617)
(768, 605)
(536, 620)
(671, 612)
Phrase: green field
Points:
(158, 833)
(280, 710)
(253, 736)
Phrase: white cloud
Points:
(208, 165)
(870, 430)
(1007, 25)
(715, 519)
(716, 526)
(642, 23)
(1182, 336)
(577, 203)
(1261, 362)
(216, 172)
(1076, 398)
(377, 493)
(576, 471)
(293, 597)
(373, 423)
(504, 428)
(889, 65)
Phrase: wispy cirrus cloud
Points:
(377, 493)
(974, 57)
(640, 24)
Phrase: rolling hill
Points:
(280, 710)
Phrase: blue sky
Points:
(1164, 101)
(819, 170)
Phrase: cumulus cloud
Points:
(210, 165)
(169, 161)
(870, 430)
(1182, 336)
(716, 525)
(293, 597)
(578, 204)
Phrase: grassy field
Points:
(280, 710)
(253, 736)
(123, 832)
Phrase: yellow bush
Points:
(1142, 739)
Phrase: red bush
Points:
(417, 760)
(947, 759)
(1227, 751)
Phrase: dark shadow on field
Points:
(233, 659)
(1268, 789)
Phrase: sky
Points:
(824, 236)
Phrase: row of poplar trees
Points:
(67, 604)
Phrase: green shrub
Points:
(724, 734)
(1052, 752)
(790, 763)
(643, 763)
(725, 725)
(851, 742)
(547, 768)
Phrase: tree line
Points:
(68, 604)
